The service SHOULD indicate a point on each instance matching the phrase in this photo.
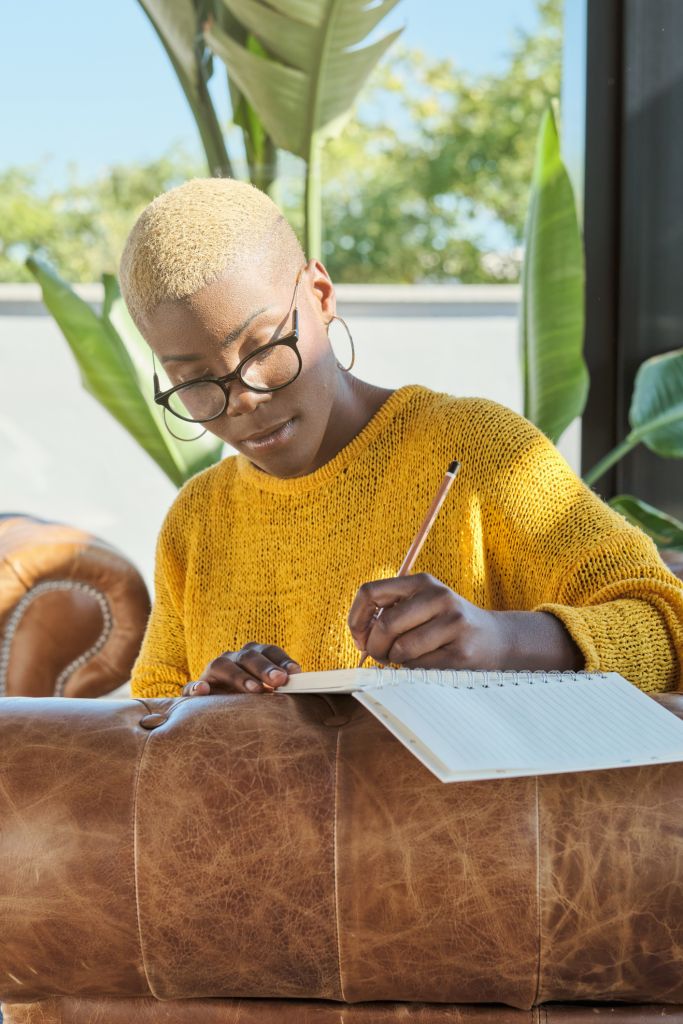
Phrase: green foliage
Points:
(656, 413)
(303, 83)
(115, 367)
(379, 227)
(82, 227)
(484, 128)
(432, 158)
(665, 530)
(178, 25)
(429, 160)
(555, 375)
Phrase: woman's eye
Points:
(194, 376)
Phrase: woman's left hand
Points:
(424, 624)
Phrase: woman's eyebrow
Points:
(189, 357)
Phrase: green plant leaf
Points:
(177, 24)
(656, 413)
(665, 530)
(307, 94)
(191, 456)
(115, 368)
(554, 373)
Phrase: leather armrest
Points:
(73, 611)
(257, 847)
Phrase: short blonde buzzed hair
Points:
(190, 236)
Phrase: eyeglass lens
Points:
(266, 370)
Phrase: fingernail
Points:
(294, 664)
(195, 686)
(252, 684)
(277, 671)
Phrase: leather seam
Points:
(21, 607)
(336, 864)
(538, 891)
(135, 862)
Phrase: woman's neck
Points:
(354, 406)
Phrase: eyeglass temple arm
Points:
(155, 376)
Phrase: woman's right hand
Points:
(256, 668)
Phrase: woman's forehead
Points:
(218, 313)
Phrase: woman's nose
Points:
(242, 400)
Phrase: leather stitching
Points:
(22, 606)
(135, 861)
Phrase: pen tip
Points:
(454, 466)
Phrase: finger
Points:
(225, 675)
(405, 603)
(281, 658)
(414, 647)
(381, 594)
(263, 668)
(200, 688)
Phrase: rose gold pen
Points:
(421, 536)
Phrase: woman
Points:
(276, 559)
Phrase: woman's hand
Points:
(424, 624)
(256, 668)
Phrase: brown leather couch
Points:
(72, 611)
(249, 859)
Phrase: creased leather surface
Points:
(67, 888)
(437, 883)
(263, 837)
(235, 829)
(263, 1011)
(612, 885)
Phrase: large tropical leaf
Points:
(656, 413)
(178, 25)
(554, 373)
(665, 530)
(114, 363)
(305, 94)
(260, 150)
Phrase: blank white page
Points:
(542, 726)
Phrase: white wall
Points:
(62, 456)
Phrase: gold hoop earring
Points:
(188, 439)
(353, 350)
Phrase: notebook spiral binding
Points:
(471, 679)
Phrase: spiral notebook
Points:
(467, 725)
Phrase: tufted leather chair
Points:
(250, 859)
(72, 611)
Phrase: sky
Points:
(89, 83)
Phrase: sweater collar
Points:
(250, 475)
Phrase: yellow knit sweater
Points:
(244, 556)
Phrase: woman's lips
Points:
(277, 437)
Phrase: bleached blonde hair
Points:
(190, 236)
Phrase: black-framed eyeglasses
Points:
(268, 368)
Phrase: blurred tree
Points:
(419, 202)
(484, 140)
(81, 227)
(433, 164)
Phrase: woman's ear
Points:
(322, 288)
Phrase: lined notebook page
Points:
(554, 724)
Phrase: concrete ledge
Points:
(405, 300)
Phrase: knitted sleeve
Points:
(161, 667)
(584, 563)
(625, 613)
